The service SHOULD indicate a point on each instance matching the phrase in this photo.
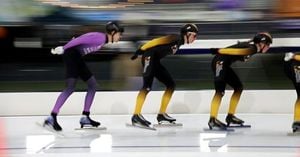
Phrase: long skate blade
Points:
(239, 126)
(297, 133)
(91, 128)
(139, 126)
(50, 130)
(167, 125)
(218, 130)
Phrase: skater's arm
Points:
(159, 41)
(235, 51)
(296, 57)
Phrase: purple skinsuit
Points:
(87, 43)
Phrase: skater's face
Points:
(117, 36)
(190, 37)
(114, 37)
(263, 47)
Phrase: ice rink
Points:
(268, 136)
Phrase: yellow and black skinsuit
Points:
(224, 74)
(292, 70)
(152, 52)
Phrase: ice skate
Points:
(296, 126)
(165, 120)
(215, 125)
(87, 122)
(236, 122)
(52, 123)
(295, 129)
(137, 120)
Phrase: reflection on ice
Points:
(102, 144)
(37, 143)
(205, 138)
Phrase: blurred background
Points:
(30, 28)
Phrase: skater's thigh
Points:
(164, 76)
(72, 59)
(233, 80)
(148, 81)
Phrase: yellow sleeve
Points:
(297, 57)
(235, 51)
(158, 41)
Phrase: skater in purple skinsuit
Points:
(72, 53)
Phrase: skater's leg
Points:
(215, 104)
(148, 76)
(85, 119)
(165, 100)
(292, 71)
(140, 100)
(147, 84)
(92, 84)
(297, 104)
(234, 101)
(52, 119)
(71, 60)
(233, 80)
(137, 118)
(70, 83)
(163, 76)
(297, 110)
(220, 72)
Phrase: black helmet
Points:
(114, 26)
(188, 28)
(263, 37)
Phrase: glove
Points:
(134, 57)
(288, 56)
(136, 54)
(246, 58)
(58, 50)
(174, 49)
(214, 51)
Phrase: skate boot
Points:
(163, 117)
(52, 123)
(296, 126)
(85, 120)
(138, 119)
(231, 119)
(215, 123)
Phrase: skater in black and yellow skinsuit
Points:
(152, 52)
(292, 70)
(224, 74)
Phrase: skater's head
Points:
(114, 31)
(189, 33)
(262, 41)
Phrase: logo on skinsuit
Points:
(219, 67)
(297, 73)
(147, 62)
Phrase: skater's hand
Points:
(174, 49)
(288, 56)
(58, 50)
(136, 54)
(134, 57)
(214, 51)
(246, 58)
